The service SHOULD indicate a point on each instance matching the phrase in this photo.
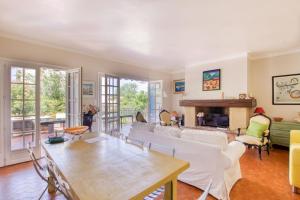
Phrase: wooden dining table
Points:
(108, 168)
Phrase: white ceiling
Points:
(159, 34)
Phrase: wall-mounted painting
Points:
(211, 80)
(286, 89)
(179, 86)
(88, 89)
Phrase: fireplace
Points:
(225, 113)
(213, 116)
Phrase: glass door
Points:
(73, 99)
(110, 103)
(155, 100)
(22, 111)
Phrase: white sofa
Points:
(208, 152)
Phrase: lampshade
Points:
(259, 110)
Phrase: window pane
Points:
(29, 124)
(16, 91)
(29, 108)
(29, 138)
(29, 76)
(29, 91)
(16, 108)
(16, 75)
(16, 124)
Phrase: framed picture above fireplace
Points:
(211, 80)
(286, 89)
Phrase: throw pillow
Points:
(256, 129)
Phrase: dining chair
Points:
(162, 149)
(206, 191)
(41, 171)
(116, 134)
(63, 185)
(135, 142)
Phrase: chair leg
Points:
(43, 193)
(259, 152)
(268, 148)
(295, 190)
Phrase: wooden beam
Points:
(246, 103)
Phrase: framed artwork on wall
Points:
(211, 80)
(179, 86)
(88, 89)
(286, 89)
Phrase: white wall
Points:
(234, 79)
(261, 72)
(20, 50)
(177, 97)
(1, 116)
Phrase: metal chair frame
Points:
(38, 168)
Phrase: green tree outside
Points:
(132, 100)
(53, 86)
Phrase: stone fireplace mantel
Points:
(238, 110)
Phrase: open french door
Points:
(73, 98)
(155, 100)
(22, 111)
(109, 101)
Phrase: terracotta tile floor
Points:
(266, 179)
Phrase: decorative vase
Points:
(88, 120)
(200, 121)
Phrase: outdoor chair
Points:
(140, 118)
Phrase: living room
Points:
(213, 71)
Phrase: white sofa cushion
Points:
(168, 131)
(210, 137)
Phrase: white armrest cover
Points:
(234, 151)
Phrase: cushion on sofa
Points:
(168, 131)
(209, 137)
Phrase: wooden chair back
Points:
(165, 118)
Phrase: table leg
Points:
(51, 182)
(171, 190)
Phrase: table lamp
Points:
(259, 110)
